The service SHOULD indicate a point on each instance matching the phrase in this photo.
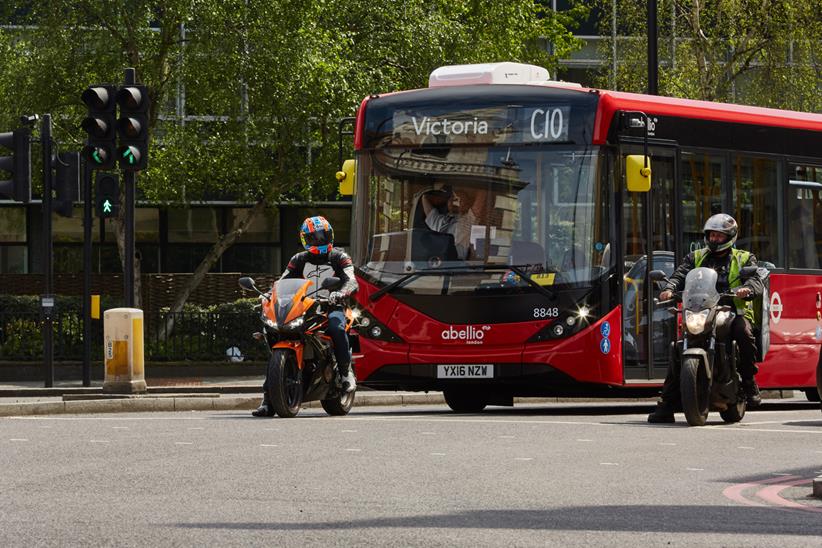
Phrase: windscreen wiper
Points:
(462, 269)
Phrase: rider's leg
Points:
(742, 333)
(336, 330)
(265, 409)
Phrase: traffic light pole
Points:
(47, 300)
(130, 181)
(87, 225)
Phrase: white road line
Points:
(609, 464)
(507, 437)
(744, 447)
(349, 431)
(523, 458)
(18, 439)
(268, 445)
(119, 427)
(584, 440)
(780, 474)
(196, 428)
(354, 450)
(695, 469)
(183, 443)
(99, 441)
(438, 454)
(428, 433)
(666, 443)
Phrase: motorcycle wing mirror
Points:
(247, 284)
(331, 283)
(657, 275)
(747, 272)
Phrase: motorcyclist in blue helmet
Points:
(317, 237)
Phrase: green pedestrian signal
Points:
(107, 195)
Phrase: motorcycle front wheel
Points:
(285, 383)
(696, 391)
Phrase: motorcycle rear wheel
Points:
(696, 391)
(285, 383)
(339, 405)
(735, 412)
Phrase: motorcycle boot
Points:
(752, 393)
(265, 409)
(349, 381)
(663, 414)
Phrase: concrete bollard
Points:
(123, 351)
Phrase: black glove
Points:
(336, 297)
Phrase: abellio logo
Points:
(470, 334)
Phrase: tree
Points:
(749, 51)
(246, 94)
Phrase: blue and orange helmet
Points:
(317, 235)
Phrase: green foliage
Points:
(741, 51)
(276, 74)
(21, 338)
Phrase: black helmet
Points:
(724, 223)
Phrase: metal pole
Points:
(87, 222)
(47, 300)
(130, 180)
(653, 63)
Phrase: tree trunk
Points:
(220, 246)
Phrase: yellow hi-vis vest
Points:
(738, 259)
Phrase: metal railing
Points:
(197, 336)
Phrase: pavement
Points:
(171, 394)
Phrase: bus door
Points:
(649, 219)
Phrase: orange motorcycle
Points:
(302, 366)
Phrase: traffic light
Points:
(18, 188)
(132, 127)
(99, 124)
(67, 183)
(107, 202)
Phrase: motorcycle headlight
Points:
(294, 324)
(695, 321)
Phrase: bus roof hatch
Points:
(487, 73)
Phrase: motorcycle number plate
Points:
(466, 371)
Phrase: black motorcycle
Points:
(705, 353)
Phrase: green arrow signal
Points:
(106, 207)
(96, 156)
(127, 153)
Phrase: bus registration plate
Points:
(466, 371)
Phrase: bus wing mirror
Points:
(637, 174)
(346, 177)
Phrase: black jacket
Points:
(722, 265)
(338, 260)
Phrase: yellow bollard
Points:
(123, 351)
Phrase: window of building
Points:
(195, 225)
(804, 216)
(12, 224)
(264, 229)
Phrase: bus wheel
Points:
(462, 400)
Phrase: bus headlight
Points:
(695, 321)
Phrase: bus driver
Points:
(457, 220)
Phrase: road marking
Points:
(695, 469)
(268, 445)
(350, 431)
(183, 443)
(666, 443)
(119, 427)
(99, 441)
(438, 454)
(428, 433)
(734, 492)
(584, 440)
(771, 494)
(354, 450)
(196, 428)
(609, 464)
(523, 458)
(507, 437)
(18, 439)
(744, 447)
(780, 474)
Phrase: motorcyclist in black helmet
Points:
(317, 237)
(719, 254)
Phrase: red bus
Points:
(500, 253)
